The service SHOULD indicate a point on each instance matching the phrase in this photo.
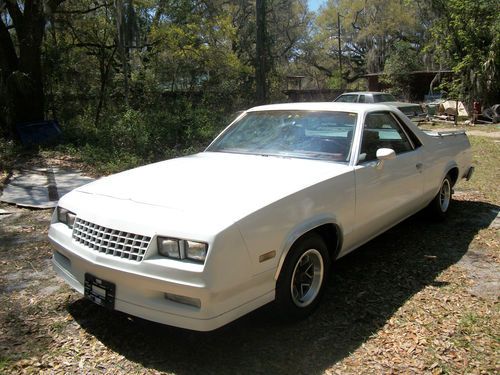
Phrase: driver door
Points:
(388, 191)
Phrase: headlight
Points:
(196, 251)
(66, 217)
(182, 249)
(169, 247)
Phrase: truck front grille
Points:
(117, 243)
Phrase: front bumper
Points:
(141, 287)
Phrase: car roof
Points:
(323, 106)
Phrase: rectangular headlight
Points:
(66, 217)
(169, 247)
(182, 249)
(70, 218)
(62, 215)
(196, 251)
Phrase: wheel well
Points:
(453, 172)
(331, 235)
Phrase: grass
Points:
(469, 322)
(486, 178)
(475, 334)
(487, 128)
(4, 363)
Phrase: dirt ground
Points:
(421, 298)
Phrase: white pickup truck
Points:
(259, 216)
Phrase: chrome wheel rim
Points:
(445, 195)
(307, 278)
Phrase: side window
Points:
(361, 99)
(414, 139)
(381, 130)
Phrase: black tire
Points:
(292, 303)
(440, 205)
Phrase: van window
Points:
(348, 98)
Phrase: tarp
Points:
(41, 187)
(38, 132)
(449, 108)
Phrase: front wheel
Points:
(302, 278)
(442, 201)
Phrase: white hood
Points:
(210, 190)
(215, 181)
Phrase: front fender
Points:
(303, 228)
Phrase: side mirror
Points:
(384, 154)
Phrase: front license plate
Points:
(99, 291)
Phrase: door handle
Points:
(419, 166)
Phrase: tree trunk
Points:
(123, 25)
(261, 63)
(8, 64)
(22, 77)
(105, 66)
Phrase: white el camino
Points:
(198, 241)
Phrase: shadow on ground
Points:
(366, 288)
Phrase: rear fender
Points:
(449, 166)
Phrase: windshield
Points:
(324, 135)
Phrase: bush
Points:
(8, 153)
(128, 138)
(127, 132)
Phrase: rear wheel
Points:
(442, 201)
(302, 278)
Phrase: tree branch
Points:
(15, 13)
(94, 45)
(83, 11)
(353, 78)
(354, 23)
(111, 46)
(327, 71)
(54, 4)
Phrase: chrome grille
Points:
(110, 241)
